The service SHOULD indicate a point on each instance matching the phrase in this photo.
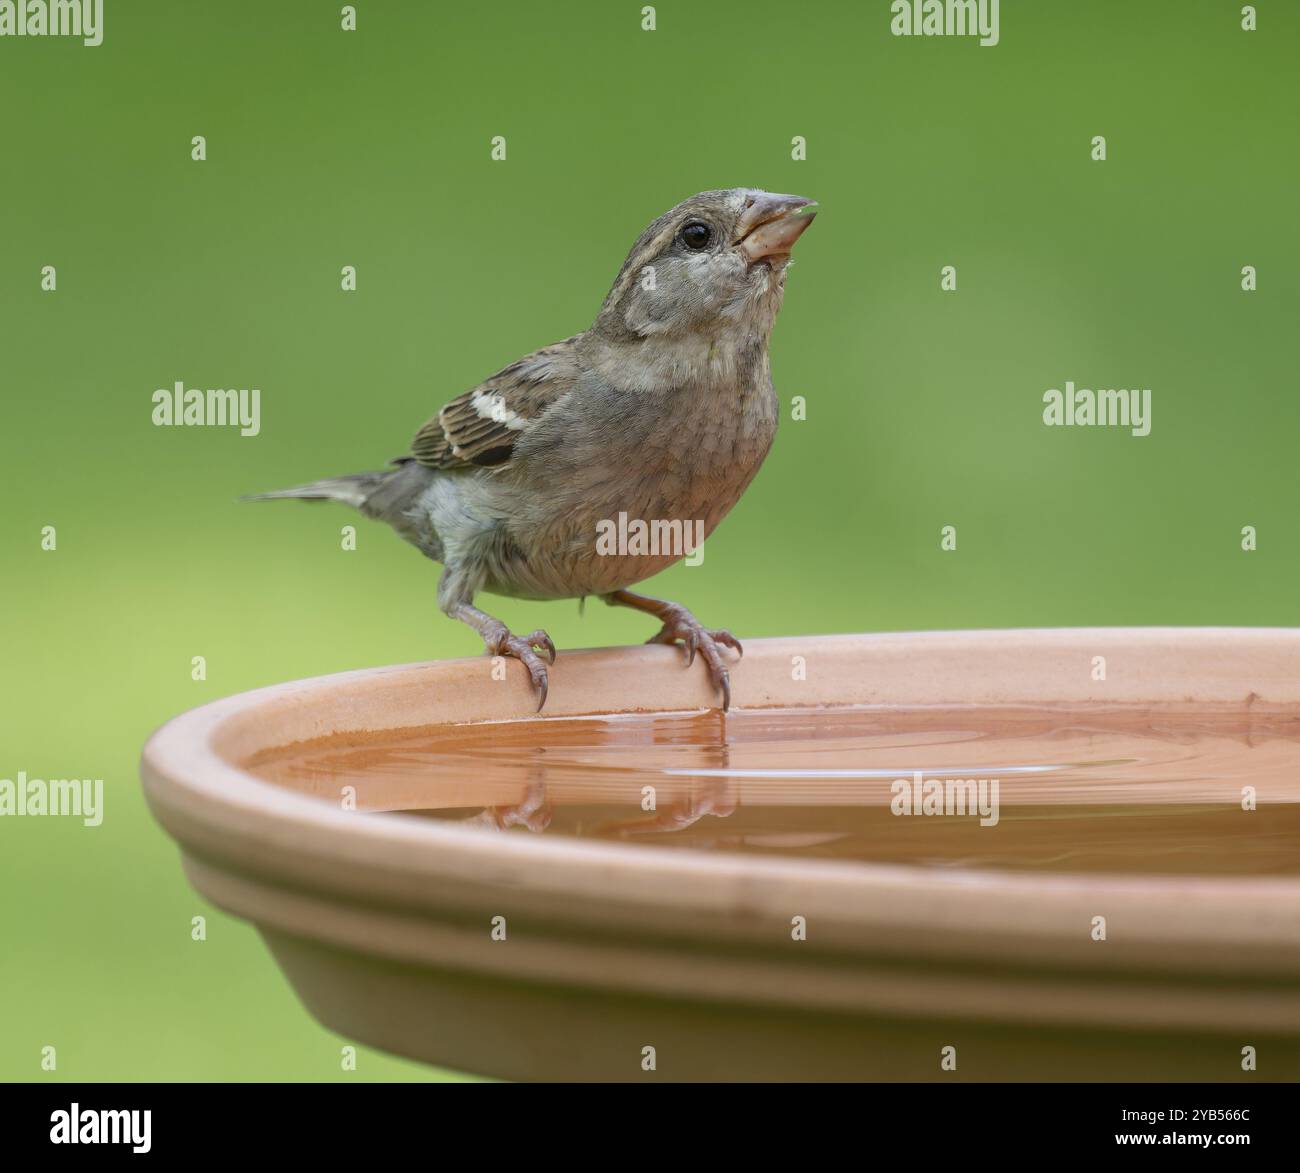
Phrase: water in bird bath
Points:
(1136, 789)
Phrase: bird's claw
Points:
(539, 639)
(522, 649)
(680, 626)
(725, 637)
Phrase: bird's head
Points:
(713, 264)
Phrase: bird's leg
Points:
(680, 625)
(498, 641)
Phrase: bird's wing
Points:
(479, 428)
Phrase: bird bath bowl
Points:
(636, 886)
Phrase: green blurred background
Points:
(371, 148)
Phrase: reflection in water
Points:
(1084, 788)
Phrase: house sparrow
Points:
(663, 410)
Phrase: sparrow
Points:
(663, 411)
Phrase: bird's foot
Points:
(500, 642)
(680, 626)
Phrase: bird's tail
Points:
(351, 490)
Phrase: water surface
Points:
(1078, 788)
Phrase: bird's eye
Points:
(696, 235)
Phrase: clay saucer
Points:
(552, 956)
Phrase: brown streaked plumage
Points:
(662, 411)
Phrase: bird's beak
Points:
(771, 224)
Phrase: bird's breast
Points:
(636, 485)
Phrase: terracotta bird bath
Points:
(989, 855)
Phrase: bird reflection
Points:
(706, 795)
